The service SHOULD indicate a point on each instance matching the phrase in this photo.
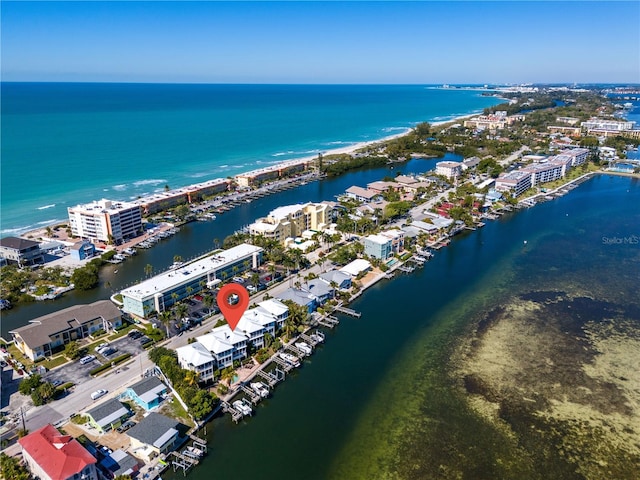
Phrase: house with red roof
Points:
(49, 455)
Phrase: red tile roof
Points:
(60, 456)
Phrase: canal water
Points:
(377, 401)
(197, 238)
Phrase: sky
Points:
(380, 42)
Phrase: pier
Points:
(284, 364)
(406, 268)
(328, 321)
(347, 311)
(270, 378)
(253, 396)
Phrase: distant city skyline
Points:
(473, 42)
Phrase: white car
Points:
(87, 359)
(98, 393)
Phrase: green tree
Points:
(177, 258)
(165, 318)
(85, 278)
(72, 350)
(29, 384)
(182, 211)
(46, 391)
(148, 270)
(11, 468)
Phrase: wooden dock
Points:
(347, 311)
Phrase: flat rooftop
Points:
(197, 269)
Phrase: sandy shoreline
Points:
(40, 232)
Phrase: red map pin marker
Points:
(230, 308)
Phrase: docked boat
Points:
(292, 359)
(129, 251)
(242, 407)
(260, 388)
(317, 337)
(196, 452)
(304, 348)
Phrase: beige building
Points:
(45, 334)
(271, 173)
(291, 220)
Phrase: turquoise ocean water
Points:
(66, 143)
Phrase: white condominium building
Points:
(449, 169)
(516, 182)
(608, 125)
(106, 221)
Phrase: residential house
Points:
(300, 297)
(82, 250)
(49, 455)
(378, 246)
(197, 358)
(381, 186)
(397, 239)
(340, 279)
(355, 268)
(45, 334)
(108, 416)
(363, 194)
(148, 392)
(319, 289)
(21, 251)
(119, 463)
(154, 435)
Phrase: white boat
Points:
(242, 407)
(195, 452)
(318, 337)
(287, 357)
(260, 388)
(130, 251)
(304, 348)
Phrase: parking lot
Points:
(76, 372)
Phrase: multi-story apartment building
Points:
(291, 220)
(449, 169)
(222, 346)
(516, 182)
(162, 291)
(607, 125)
(45, 334)
(106, 221)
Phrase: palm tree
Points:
(177, 258)
(181, 311)
(207, 300)
(165, 318)
(189, 290)
(247, 264)
(191, 377)
(334, 285)
(289, 328)
(224, 275)
(174, 297)
(216, 243)
(235, 269)
(148, 269)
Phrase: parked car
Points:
(87, 359)
(135, 334)
(109, 351)
(145, 340)
(56, 383)
(126, 426)
(98, 393)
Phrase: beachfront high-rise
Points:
(106, 221)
